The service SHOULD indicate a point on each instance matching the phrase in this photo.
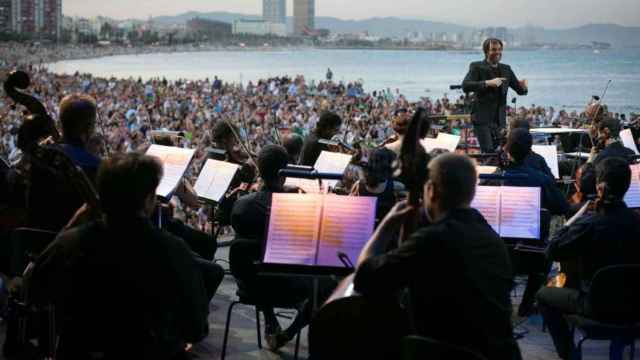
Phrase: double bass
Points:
(352, 325)
(37, 138)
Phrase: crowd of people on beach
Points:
(264, 111)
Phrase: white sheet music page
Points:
(627, 140)
(520, 212)
(550, 155)
(448, 141)
(175, 161)
(632, 197)
(487, 202)
(214, 179)
(332, 162)
(347, 225)
(294, 224)
(430, 143)
(309, 186)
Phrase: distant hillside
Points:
(616, 35)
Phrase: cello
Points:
(348, 323)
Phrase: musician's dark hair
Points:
(612, 124)
(328, 120)
(379, 168)
(487, 44)
(124, 182)
(519, 144)
(293, 144)
(616, 174)
(272, 159)
(78, 114)
(454, 177)
(222, 132)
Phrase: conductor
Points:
(490, 81)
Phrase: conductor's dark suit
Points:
(490, 106)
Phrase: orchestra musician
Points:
(378, 181)
(78, 115)
(121, 287)
(608, 142)
(249, 220)
(456, 269)
(534, 265)
(608, 236)
(490, 80)
(399, 124)
(293, 144)
(328, 126)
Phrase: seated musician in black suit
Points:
(532, 159)
(518, 147)
(608, 236)
(328, 126)
(122, 287)
(52, 202)
(608, 141)
(249, 219)
(457, 269)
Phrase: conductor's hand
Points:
(524, 84)
(494, 83)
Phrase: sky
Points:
(510, 13)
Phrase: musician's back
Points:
(459, 276)
(123, 289)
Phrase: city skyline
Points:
(513, 13)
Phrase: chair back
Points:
(242, 255)
(614, 294)
(417, 347)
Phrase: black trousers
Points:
(486, 135)
(554, 303)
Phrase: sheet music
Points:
(347, 225)
(294, 225)
(214, 179)
(632, 197)
(175, 161)
(450, 142)
(550, 155)
(310, 186)
(487, 202)
(332, 162)
(485, 170)
(627, 140)
(520, 212)
(443, 141)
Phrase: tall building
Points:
(5, 15)
(36, 17)
(304, 16)
(274, 11)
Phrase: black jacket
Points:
(458, 272)
(490, 104)
(126, 289)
